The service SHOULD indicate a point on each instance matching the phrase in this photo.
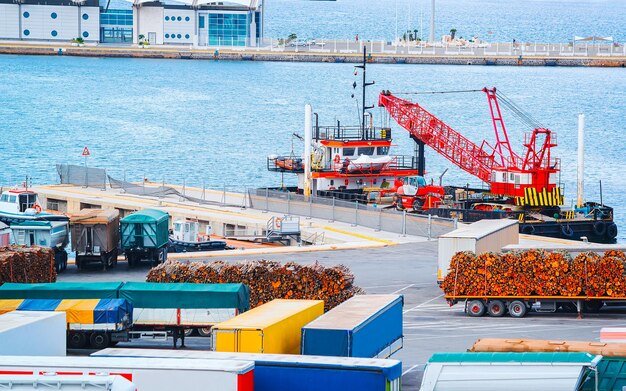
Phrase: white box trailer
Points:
(479, 237)
(29, 333)
(146, 373)
(53, 381)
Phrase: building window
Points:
(27, 32)
(179, 18)
(85, 16)
(179, 36)
(167, 35)
(167, 18)
(26, 15)
(85, 34)
(187, 36)
(228, 29)
(187, 19)
(53, 33)
(53, 15)
(201, 23)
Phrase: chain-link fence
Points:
(355, 213)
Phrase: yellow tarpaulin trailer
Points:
(273, 327)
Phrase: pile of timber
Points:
(268, 280)
(27, 264)
(536, 273)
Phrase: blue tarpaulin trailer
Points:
(363, 326)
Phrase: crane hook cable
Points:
(435, 92)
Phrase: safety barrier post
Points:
(430, 224)
(380, 219)
(224, 196)
(267, 195)
(104, 181)
(310, 208)
(333, 216)
(356, 213)
(288, 203)
(404, 222)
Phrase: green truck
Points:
(145, 235)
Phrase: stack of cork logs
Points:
(27, 264)
(267, 280)
(536, 272)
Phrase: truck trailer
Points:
(145, 235)
(96, 236)
(362, 326)
(289, 372)
(145, 373)
(98, 323)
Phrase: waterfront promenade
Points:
(525, 54)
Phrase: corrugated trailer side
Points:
(363, 326)
(288, 372)
(273, 327)
(145, 373)
(61, 290)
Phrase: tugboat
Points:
(185, 238)
(354, 163)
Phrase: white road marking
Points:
(400, 290)
(412, 368)
(424, 303)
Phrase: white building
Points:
(189, 22)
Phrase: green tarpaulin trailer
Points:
(186, 295)
(145, 235)
(61, 290)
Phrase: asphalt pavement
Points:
(430, 324)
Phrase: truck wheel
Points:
(204, 331)
(76, 340)
(496, 308)
(131, 261)
(99, 340)
(517, 309)
(64, 258)
(476, 308)
(188, 332)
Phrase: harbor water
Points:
(213, 123)
(548, 21)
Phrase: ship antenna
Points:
(363, 86)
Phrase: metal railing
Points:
(354, 213)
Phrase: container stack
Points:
(536, 272)
(268, 280)
(26, 264)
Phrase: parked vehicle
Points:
(17, 381)
(144, 235)
(288, 372)
(273, 327)
(97, 322)
(185, 238)
(95, 237)
(145, 373)
(160, 309)
(493, 371)
(362, 326)
(44, 233)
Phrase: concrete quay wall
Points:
(254, 55)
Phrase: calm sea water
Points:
(491, 20)
(214, 123)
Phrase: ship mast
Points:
(364, 84)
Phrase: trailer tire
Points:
(76, 340)
(99, 340)
(528, 229)
(476, 308)
(496, 308)
(188, 332)
(611, 231)
(517, 309)
(599, 228)
(204, 331)
(567, 231)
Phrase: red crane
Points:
(531, 179)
